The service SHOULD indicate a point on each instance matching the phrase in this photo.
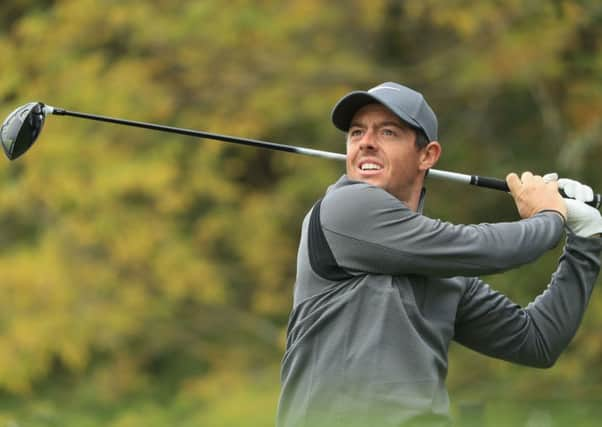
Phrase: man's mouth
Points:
(370, 167)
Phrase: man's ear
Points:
(430, 155)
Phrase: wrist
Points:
(587, 230)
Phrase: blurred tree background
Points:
(147, 277)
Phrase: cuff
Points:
(556, 212)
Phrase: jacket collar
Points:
(344, 181)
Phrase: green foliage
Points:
(151, 274)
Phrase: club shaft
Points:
(199, 134)
(479, 181)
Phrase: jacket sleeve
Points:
(370, 231)
(490, 323)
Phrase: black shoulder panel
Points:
(320, 256)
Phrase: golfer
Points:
(381, 289)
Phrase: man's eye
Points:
(355, 132)
(388, 132)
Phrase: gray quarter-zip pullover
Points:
(381, 291)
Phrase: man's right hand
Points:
(532, 195)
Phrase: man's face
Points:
(381, 151)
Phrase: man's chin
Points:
(372, 180)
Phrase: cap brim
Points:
(345, 109)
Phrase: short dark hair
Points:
(421, 138)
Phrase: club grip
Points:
(596, 202)
(499, 184)
(487, 182)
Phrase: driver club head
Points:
(21, 129)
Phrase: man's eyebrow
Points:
(356, 124)
(398, 124)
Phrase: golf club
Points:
(23, 126)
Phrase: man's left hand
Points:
(571, 188)
(582, 219)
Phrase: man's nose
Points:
(368, 141)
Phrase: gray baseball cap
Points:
(407, 104)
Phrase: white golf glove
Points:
(582, 219)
